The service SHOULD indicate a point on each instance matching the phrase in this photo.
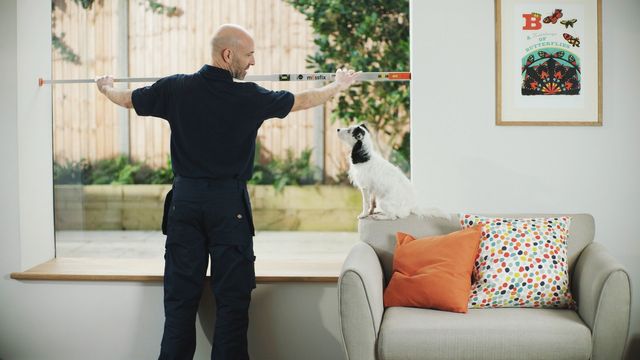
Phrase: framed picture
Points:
(548, 62)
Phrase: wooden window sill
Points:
(151, 270)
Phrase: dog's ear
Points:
(365, 127)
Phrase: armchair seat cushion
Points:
(506, 333)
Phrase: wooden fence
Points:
(125, 38)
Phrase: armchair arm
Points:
(601, 287)
(360, 289)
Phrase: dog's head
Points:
(353, 134)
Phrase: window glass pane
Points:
(112, 167)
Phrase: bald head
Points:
(232, 49)
(228, 36)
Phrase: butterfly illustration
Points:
(572, 60)
(553, 18)
(568, 23)
(574, 41)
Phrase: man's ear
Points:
(226, 55)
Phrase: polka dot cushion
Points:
(522, 263)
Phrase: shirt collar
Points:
(215, 73)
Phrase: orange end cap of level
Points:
(40, 82)
(399, 76)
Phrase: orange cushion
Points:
(433, 272)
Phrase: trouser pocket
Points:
(233, 270)
(249, 256)
(165, 213)
(227, 220)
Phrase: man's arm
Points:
(120, 97)
(314, 97)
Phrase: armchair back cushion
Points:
(381, 235)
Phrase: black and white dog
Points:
(387, 194)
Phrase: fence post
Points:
(122, 70)
(318, 141)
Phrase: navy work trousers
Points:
(208, 218)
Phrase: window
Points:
(111, 167)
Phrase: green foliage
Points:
(289, 170)
(370, 36)
(86, 4)
(114, 171)
(65, 51)
(72, 172)
(261, 173)
(341, 178)
(118, 170)
(161, 9)
(401, 156)
(405, 147)
(162, 175)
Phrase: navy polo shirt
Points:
(214, 120)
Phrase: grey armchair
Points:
(597, 330)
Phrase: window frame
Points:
(34, 132)
(35, 152)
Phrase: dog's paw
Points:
(363, 215)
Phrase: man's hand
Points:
(346, 78)
(104, 82)
(314, 97)
(120, 97)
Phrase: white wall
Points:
(463, 162)
(89, 320)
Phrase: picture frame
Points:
(548, 62)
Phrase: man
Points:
(214, 123)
